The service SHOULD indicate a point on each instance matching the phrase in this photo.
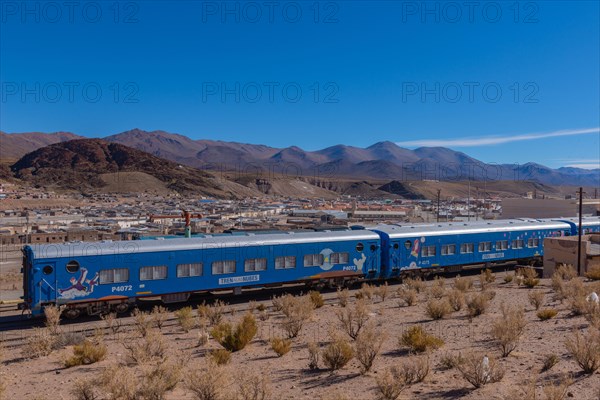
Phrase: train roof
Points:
(585, 221)
(459, 228)
(79, 249)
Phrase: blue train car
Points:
(588, 225)
(413, 248)
(109, 276)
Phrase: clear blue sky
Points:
(410, 72)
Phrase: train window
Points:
(115, 275)
(448, 249)
(285, 262)
(517, 244)
(396, 246)
(313, 260)
(187, 270)
(373, 247)
(48, 269)
(153, 273)
(255, 264)
(428, 251)
(485, 246)
(223, 267)
(360, 247)
(407, 244)
(72, 266)
(533, 242)
(502, 245)
(467, 248)
(338, 258)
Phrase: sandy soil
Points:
(291, 379)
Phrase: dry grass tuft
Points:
(215, 312)
(236, 339)
(367, 347)
(536, 298)
(352, 319)
(546, 313)
(313, 355)
(84, 389)
(39, 344)
(343, 295)
(557, 390)
(337, 353)
(87, 353)
(477, 304)
(463, 283)
(508, 278)
(414, 370)
(530, 277)
(415, 283)
(479, 370)
(456, 298)
(507, 329)
(52, 314)
(119, 382)
(550, 360)
(437, 291)
(150, 348)
(185, 318)
(220, 356)
(143, 323)
(254, 387)
(159, 316)
(419, 341)
(281, 346)
(316, 299)
(157, 380)
(438, 308)
(207, 382)
(296, 311)
(449, 361)
(112, 322)
(593, 273)
(585, 349)
(366, 292)
(487, 276)
(382, 291)
(408, 296)
(389, 384)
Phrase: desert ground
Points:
(289, 376)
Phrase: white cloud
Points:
(493, 140)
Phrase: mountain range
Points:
(382, 161)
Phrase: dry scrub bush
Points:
(530, 277)
(456, 298)
(414, 370)
(566, 272)
(507, 329)
(437, 291)
(39, 344)
(389, 384)
(84, 389)
(254, 387)
(575, 293)
(296, 310)
(316, 299)
(52, 314)
(367, 347)
(592, 314)
(463, 283)
(185, 318)
(157, 380)
(593, 273)
(313, 355)
(382, 291)
(417, 340)
(550, 360)
(215, 312)
(281, 346)
(477, 304)
(366, 292)
(337, 353)
(352, 319)
(343, 295)
(87, 353)
(438, 308)
(557, 390)
(112, 322)
(585, 349)
(236, 339)
(487, 276)
(536, 298)
(150, 348)
(508, 278)
(203, 338)
(159, 316)
(415, 283)
(449, 361)
(408, 296)
(119, 382)
(206, 382)
(546, 313)
(480, 370)
(220, 356)
(143, 323)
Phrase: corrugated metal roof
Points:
(208, 242)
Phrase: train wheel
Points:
(72, 313)
(122, 308)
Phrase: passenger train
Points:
(101, 277)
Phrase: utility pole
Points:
(469, 202)
(438, 204)
(579, 232)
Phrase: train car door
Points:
(45, 276)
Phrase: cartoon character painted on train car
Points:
(78, 287)
(327, 264)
